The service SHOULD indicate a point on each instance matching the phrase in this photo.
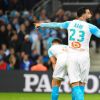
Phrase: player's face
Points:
(88, 14)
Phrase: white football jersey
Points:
(57, 49)
(79, 32)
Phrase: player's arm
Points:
(63, 25)
(94, 30)
(52, 58)
(53, 61)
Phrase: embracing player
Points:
(79, 34)
(58, 57)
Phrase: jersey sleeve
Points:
(94, 30)
(50, 54)
(63, 25)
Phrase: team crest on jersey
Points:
(76, 45)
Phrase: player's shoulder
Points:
(67, 22)
(91, 25)
(78, 22)
(50, 52)
(51, 48)
(64, 45)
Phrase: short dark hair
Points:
(81, 11)
(57, 40)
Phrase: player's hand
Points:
(37, 25)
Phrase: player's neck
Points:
(55, 44)
(82, 19)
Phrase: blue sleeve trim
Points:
(50, 53)
(94, 30)
(63, 25)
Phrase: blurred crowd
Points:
(24, 47)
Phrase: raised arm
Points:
(94, 30)
(63, 25)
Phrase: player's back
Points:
(79, 35)
(57, 49)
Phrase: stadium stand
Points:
(22, 45)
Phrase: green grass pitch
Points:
(42, 96)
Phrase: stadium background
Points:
(24, 63)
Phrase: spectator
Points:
(97, 23)
(15, 23)
(3, 64)
(34, 56)
(13, 59)
(3, 17)
(5, 49)
(3, 35)
(12, 51)
(22, 32)
(43, 16)
(39, 66)
(59, 15)
(25, 63)
(26, 45)
(10, 29)
(27, 26)
(12, 62)
(35, 40)
(2, 53)
(14, 42)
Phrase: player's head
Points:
(51, 41)
(56, 41)
(84, 12)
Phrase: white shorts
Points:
(61, 67)
(78, 66)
